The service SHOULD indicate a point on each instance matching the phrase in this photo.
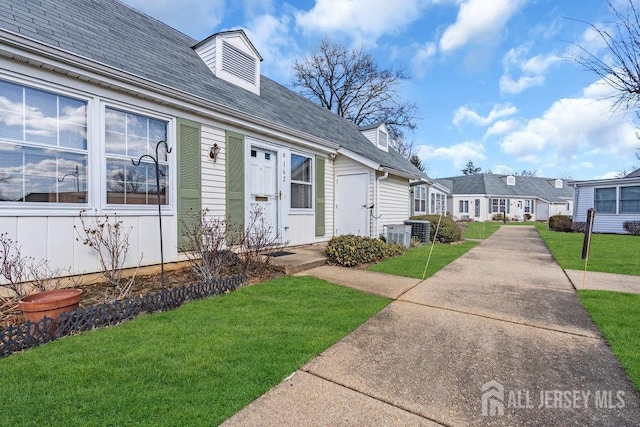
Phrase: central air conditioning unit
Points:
(399, 233)
(420, 230)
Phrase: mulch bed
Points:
(95, 293)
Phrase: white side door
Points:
(352, 199)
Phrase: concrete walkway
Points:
(499, 331)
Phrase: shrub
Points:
(632, 227)
(497, 217)
(560, 223)
(350, 250)
(578, 227)
(448, 231)
(527, 217)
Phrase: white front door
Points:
(352, 200)
(518, 212)
(264, 193)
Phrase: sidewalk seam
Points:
(500, 320)
(373, 397)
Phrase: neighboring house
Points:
(87, 87)
(615, 200)
(480, 197)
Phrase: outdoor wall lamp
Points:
(214, 151)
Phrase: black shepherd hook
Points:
(155, 162)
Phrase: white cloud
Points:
(459, 154)
(273, 39)
(531, 69)
(363, 20)
(608, 175)
(498, 111)
(508, 85)
(423, 53)
(478, 19)
(501, 127)
(502, 169)
(586, 125)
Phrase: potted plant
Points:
(49, 303)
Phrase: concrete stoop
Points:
(300, 258)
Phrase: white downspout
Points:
(376, 216)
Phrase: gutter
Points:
(20, 44)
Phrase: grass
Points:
(617, 315)
(196, 365)
(412, 263)
(480, 230)
(609, 253)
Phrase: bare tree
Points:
(417, 162)
(526, 172)
(351, 84)
(471, 169)
(620, 69)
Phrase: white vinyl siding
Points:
(393, 202)
(213, 174)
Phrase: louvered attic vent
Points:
(231, 56)
(238, 63)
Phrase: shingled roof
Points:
(496, 185)
(110, 33)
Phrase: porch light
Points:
(214, 151)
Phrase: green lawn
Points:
(480, 230)
(617, 315)
(196, 365)
(412, 263)
(609, 253)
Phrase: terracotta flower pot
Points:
(49, 303)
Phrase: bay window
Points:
(301, 182)
(43, 146)
(419, 199)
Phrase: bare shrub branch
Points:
(111, 244)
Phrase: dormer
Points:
(511, 180)
(558, 183)
(378, 134)
(231, 56)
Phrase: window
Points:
(301, 183)
(630, 199)
(419, 199)
(129, 136)
(43, 146)
(440, 203)
(463, 206)
(605, 200)
(498, 205)
(527, 206)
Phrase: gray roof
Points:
(113, 34)
(496, 185)
(634, 174)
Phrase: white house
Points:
(481, 197)
(615, 200)
(86, 92)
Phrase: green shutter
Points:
(320, 198)
(490, 205)
(508, 203)
(189, 177)
(235, 178)
(533, 202)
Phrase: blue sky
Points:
(493, 79)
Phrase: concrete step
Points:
(300, 258)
